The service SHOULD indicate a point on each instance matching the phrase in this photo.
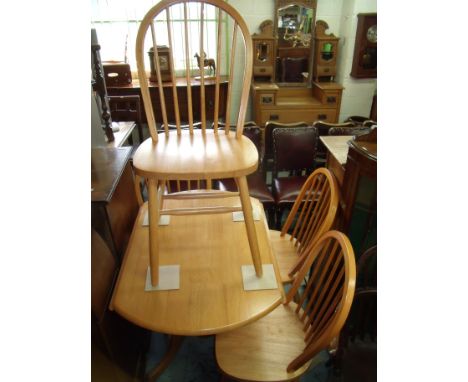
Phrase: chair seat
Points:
(285, 253)
(199, 156)
(286, 190)
(262, 350)
(257, 188)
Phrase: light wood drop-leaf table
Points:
(210, 250)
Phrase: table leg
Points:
(172, 349)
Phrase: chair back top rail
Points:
(164, 10)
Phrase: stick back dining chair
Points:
(283, 345)
(312, 214)
(204, 153)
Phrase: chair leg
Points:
(153, 215)
(249, 224)
(279, 215)
(174, 345)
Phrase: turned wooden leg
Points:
(171, 352)
(249, 224)
(153, 216)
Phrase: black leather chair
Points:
(294, 150)
(356, 131)
(268, 140)
(360, 120)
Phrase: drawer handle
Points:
(274, 117)
(267, 100)
(262, 70)
(331, 99)
(326, 70)
(322, 116)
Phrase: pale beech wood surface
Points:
(210, 250)
(199, 156)
(262, 351)
(281, 345)
(285, 253)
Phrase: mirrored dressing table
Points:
(287, 50)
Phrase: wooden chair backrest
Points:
(165, 11)
(324, 127)
(356, 131)
(324, 303)
(313, 212)
(268, 139)
(294, 149)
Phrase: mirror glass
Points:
(294, 29)
(262, 52)
(295, 25)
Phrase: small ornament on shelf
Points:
(204, 62)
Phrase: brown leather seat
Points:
(294, 150)
(286, 190)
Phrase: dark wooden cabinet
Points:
(114, 206)
(181, 86)
(359, 193)
(118, 347)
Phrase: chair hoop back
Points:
(170, 12)
(313, 212)
(325, 301)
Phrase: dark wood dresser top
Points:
(107, 165)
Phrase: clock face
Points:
(372, 34)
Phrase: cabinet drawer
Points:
(262, 70)
(326, 70)
(297, 115)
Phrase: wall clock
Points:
(365, 47)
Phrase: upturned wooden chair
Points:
(312, 214)
(195, 153)
(283, 345)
